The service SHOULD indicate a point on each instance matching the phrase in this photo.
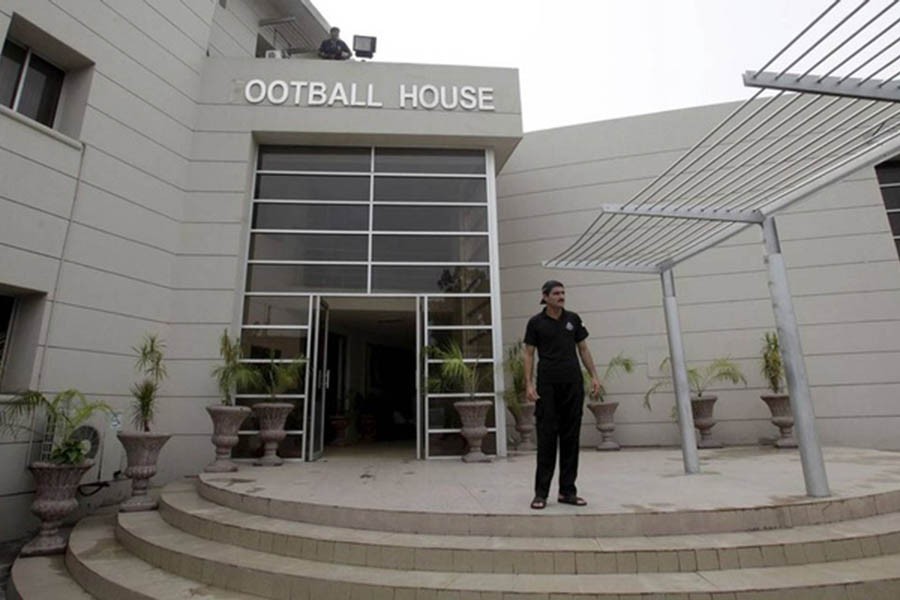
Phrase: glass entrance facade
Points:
(339, 221)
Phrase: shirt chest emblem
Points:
(569, 326)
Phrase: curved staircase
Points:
(221, 537)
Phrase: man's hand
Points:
(596, 386)
(531, 394)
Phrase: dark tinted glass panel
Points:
(437, 385)
(459, 311)
(314, 158)
(442, 414)
(891, 197)
(311, 216)
(276, 310)
(303, 278)
(431, 279)
(888, 172)
(436, 248)
(267, 373)
(453, 444)
(430, 218)
(40, 91)
(475, 343)
(312, 187)
(432, 189)
(273, 343)
(412, 160)
(308, 246)
(10, 69)
(6, 310)
(897, 243)
(894, 219)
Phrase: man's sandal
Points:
(573, 500)
(539, 503)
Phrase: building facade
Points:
(160, 174)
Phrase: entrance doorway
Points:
(371, 393)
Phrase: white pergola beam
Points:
(864, 89)
(694, 214)
(600, 265)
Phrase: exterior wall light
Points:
(364, 46)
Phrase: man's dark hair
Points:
(333, 29)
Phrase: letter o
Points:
(435, 97)
(280, 99)
(250, 96)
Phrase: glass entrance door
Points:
(319, 383)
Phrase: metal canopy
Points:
(772, 151)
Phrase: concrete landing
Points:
(633, 492)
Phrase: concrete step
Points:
(98, 563)
(183, 508)
(275, 495)
(149, 537)
(43, 578)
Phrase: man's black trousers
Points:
(558, 421)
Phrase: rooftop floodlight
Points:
(364, 45)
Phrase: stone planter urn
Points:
(702, 409)
(54, 498)
(271, 416)
(226, 423)
(341, 424)
(142, 450)
(368, 427)
(472, 413)
(525, 426)
(782, 418)
(604, 414)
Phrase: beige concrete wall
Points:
(93, 223)
(843, 270)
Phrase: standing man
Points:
(334, 47)
(556, 334)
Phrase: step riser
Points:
(570, 525)
(98, 586)
(533, 561)
(269, 584)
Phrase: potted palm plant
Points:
(603, 411)
(276, 378)
(518, 404)
(456, 373)
(56, 479)
(778, 402)
(700, 379)
(142, 446)
(231, 374)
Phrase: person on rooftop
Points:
(334, 47)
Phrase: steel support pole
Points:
(679, 375)
(795, 371)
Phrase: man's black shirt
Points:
(556, 341)
(333, 49)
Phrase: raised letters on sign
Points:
(414, 96)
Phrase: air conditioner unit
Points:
(106, 452)
(275, 54)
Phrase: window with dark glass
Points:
(889, 181)
(6, 312)
(29, 84)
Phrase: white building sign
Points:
(409, 96)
